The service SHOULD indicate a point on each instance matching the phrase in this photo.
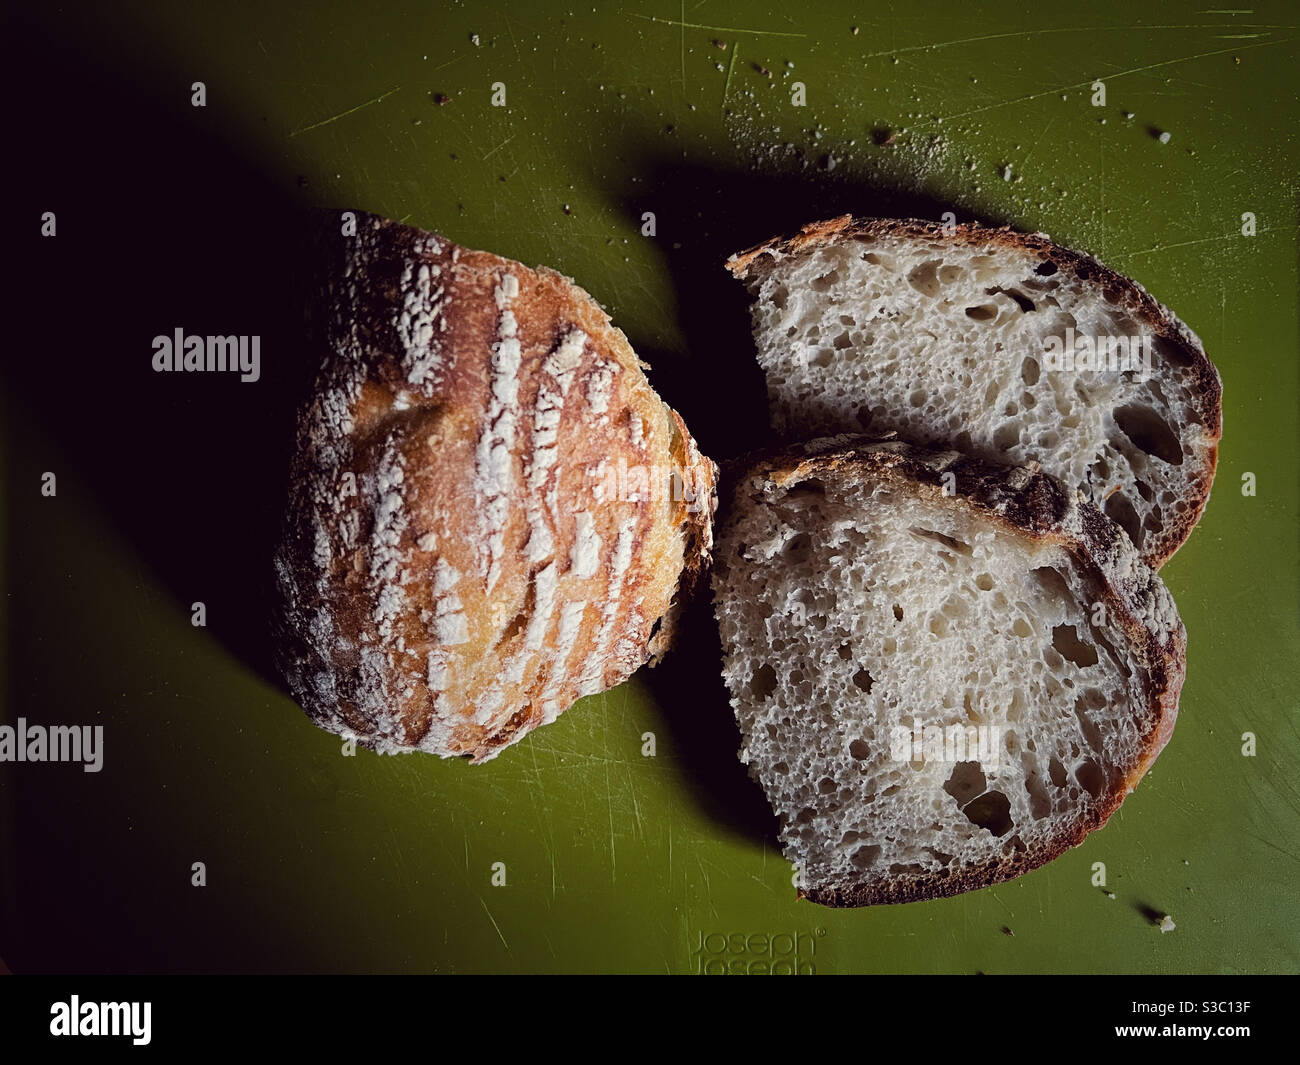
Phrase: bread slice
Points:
(951, 337)
(492, 512)
(862, 607)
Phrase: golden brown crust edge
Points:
(1138, 303)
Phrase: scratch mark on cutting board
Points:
(515, 44)
(636, 805)
(726, 86)
(500, 146)
(1187, 243)
(682, 37)
(682, 23)
(496, 926)
(1034, 147)
(1056, 29)
(1273, 846)
(1001, 903)
(1109, 77)
(344, 114)
(708, 886)
(609, 802)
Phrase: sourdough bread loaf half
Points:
(998, 343)
(492, 513)
(946, 672)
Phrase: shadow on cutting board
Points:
(162, 224)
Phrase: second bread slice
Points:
(945, 672)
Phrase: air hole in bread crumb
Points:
(1053, 583)
(965, 782)
(866, 857)
(1040, 803)
(898, 612)
(1066, 641)
(960, 546)
(862, 679)
(821, 284)
(1029, 370)
(925, 277)
(984, 582)
(1046, 268)
(1150, 432)
(991, 811)
(1176, 354)
(1022, 301)
(1022, 629)
(763, 683)
(1005, 437)
(798, 548)
(984, 312)
(859, 750)
(1121, 512)
(1088, 773)
(842, 341)
(1089, 728)
(812, 488)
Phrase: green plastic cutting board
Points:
(168, 489)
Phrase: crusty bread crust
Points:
(1122, 291)
(468, 548)
(1030, 504)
